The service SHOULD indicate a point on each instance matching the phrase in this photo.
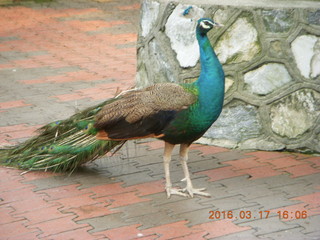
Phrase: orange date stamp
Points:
(288, 215)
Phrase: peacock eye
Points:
(205, 25)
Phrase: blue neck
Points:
(211, 68)
(211, 77)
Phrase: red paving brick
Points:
(63, 224)
(9, 133)
(13, 104)
(122, 199)
(30, 204)
(11, 184)
(103, 92)
(126, 232)
(149, 237)
(26, 236)
(193, 236)
(76, 234)
(221, 173)
(17, 230)
(284, 162)
(260, 172)
(109, 189)
(245, 163)
(313, 200)
(68, 77)
(69, 97)
(6, 213)
(130, 7)
(149, 187)
(90, 211)
(75, 201)
(36, 175)
(46, 79)
(18, 193)
(94, 25)
(10, 174)
(301, 170)
(65, 192)
(310, 206)
(42, 215)
(314, 160)
(261, 155)
(208, 150)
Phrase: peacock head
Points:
(205, 25)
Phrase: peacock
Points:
(174, 113)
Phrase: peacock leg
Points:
(184, 149)
(166, 161)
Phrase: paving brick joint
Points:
(62, 56)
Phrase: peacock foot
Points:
(196, 191)
(175, 191)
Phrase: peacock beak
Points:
(218, 25)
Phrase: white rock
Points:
(181, 32)
(228, 84)
(306, 54)
(149, 14)
(221, 16)
(315, 60)
(239, 42)
(295, 114)
(267, 78)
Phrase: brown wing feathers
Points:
(142, 113)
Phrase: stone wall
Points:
(271, 57)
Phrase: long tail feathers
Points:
(61, 145)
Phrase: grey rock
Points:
(160, 63)
(149, 14)
(314, 17)
(276, 20)
(236, 123)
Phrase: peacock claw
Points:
(175, 191)
(196, 191)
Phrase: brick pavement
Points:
(64, 56)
